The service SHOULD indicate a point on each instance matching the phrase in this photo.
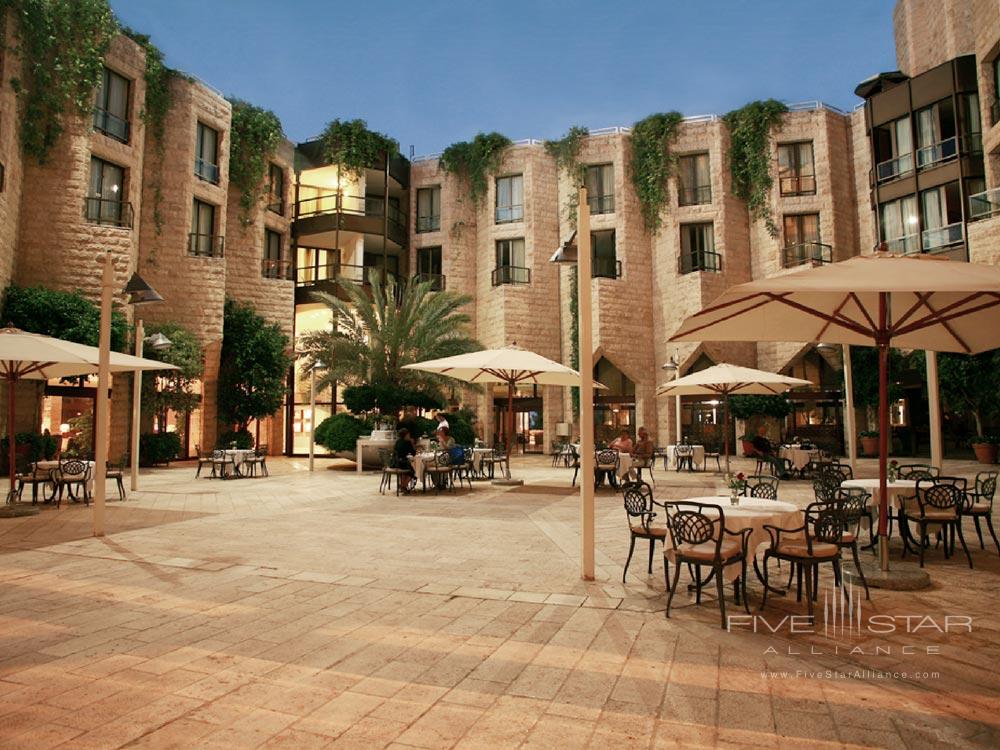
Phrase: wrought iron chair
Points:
(915, 472)
(72, 473)
(979, 504)
(574, 464)
(638, 498)
(684, 456)
(761, 485)
(712, 451)
(116, 471)
(204, 459)
(29, 473)
(606, 464)
(439, 471)
(643, 463)
(939, 502)
(852, 502)
(258, 459)
(497, 458)
(390, 470)
(220, 461)
(699, 538)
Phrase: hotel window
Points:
(893, 149)
(796, 169)
(510, 266)
(3, 176)
(202, 240)
(970, 123)
(995, 106)
(206, 154)
(104, 203)
(272, 266)
(429, 267)
(802, 241)
(510, 199)
(604, 261)
(428, 209)
(899, 225)
(111, 106)
(694, 186)
(936, 140)
(698, 248)
(600, 182)
(275, 189)
(941, 210)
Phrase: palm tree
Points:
(374, 335)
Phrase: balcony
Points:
(601, 204)
(111, 125)
(108, 212)
(941, 238)
(972, 143)
(328, 209)
(428, 223)
(806, 252)
(984, 205)
(205, 170)
(510, 275)
(905, 245)
(272, 268)
(276, 204)
(508, 214)
(704, 260)
(797, 185)
(436, 280)
(206, 245)
(605, 268)
(894, 168)
(937, 153)
(694, 196)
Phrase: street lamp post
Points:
(673, 367)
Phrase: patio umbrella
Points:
(510, 365)
(31, 356)
(724, 380)
(918, 302)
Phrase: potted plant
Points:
(869, 442)
(985, 447)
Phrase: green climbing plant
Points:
(566, 152)
(62, 47)
(653, 163)
(255, 135)
(353, 147)
(475, 160)
(750, 156)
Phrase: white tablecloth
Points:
(421, 461)
(49, 465)
(239, 456)
(799, 458)
(698, 454)
(478, 454)
(751, 513)
(896, 490)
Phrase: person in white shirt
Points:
(442, 420)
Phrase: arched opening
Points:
(614, 409)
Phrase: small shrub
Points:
(242, 438)
(418, 426)
(460, 427)
(340, 432)
(158, 448)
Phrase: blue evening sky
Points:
(432, 72)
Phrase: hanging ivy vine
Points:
(62, 47)
(653, 164)
(255, 135)
(353, 147)
(750, 156)
(154, 110)
(566, 152)
(474, 161)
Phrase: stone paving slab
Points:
(310, 611)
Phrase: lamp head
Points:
(567, 252)
(139, 292)
(158, 342)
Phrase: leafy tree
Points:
(386, 399)
(173, 390)
(970, 384)
(253, 367)
(340, 432)
(864, 371)
(374, 336)
(745, 407)
(64, 315)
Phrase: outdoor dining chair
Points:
(439, 471)
(684, 456)
(389, 470)
(979, 504)
(852, 502)
(939, 503)
(712, 452)
(29, 473)
(638, 499)
(495, 459)
(220, 461)
(917, 471)
(72, 474)
(204, 459)
(762, 486)
(606, 465)
(258, 459)
(116, 471)
(643, 463)
(699, 538)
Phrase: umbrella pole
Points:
(510, 422)
(725, 429)
(882, 339)
(11, 449)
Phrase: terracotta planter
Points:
(869, 446)
(986, 453)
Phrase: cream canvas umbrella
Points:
(725, 380)
(31, 356)
(511, 366)
(882, 300)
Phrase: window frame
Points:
(701, 258)
(271, 265)
(200, 243)
(515, 210)
(276, 200)
(102, 106)
(608, 267)
(511, 272)
(211, 173)
(600, 201)
(119, 215)
(795, 167)
(682, 186)
(433, 219)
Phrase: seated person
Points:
(402, 451)
(644, 447)
(765, 451)
(623, 443)
(444, 438)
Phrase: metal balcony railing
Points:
(937, 153)
(206, 245)
(694, 196)
(941, 237)
(332, 202)
(705, 260)
(507, 214)
(205, 170)
(111, 125)
(601, 204)
(806, 252)
(907, 244)
(108, 212)
(985, 204)
(893, 168)
(437, 280)
(798, 185)
(272, 268)
(510, 275)
(605, 268)
(429, 223)
(316, 273)
(276, 204)
(972, 143)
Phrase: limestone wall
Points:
(931, 32)
(10, 156)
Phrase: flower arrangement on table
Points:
(737, 485)
(893, 470)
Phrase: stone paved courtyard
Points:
(305, 611)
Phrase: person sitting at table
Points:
(764, 450)
(444, 438)
(403, 449)
(644, 447)
(623, 443)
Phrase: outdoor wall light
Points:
(140, 292)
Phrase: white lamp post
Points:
(140, 293)
(673, 368)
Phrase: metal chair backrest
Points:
(825, 523)
(442, 458)
(986, 485)
(940, 493)
(916, 472)
(638, 504)
(689, 524)
(853, 503)
(607, 458)
(762, 486)
(218, 454)
(261, 450)
(73, 467)
(825, 486)
(387, 458)
(684, 450)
